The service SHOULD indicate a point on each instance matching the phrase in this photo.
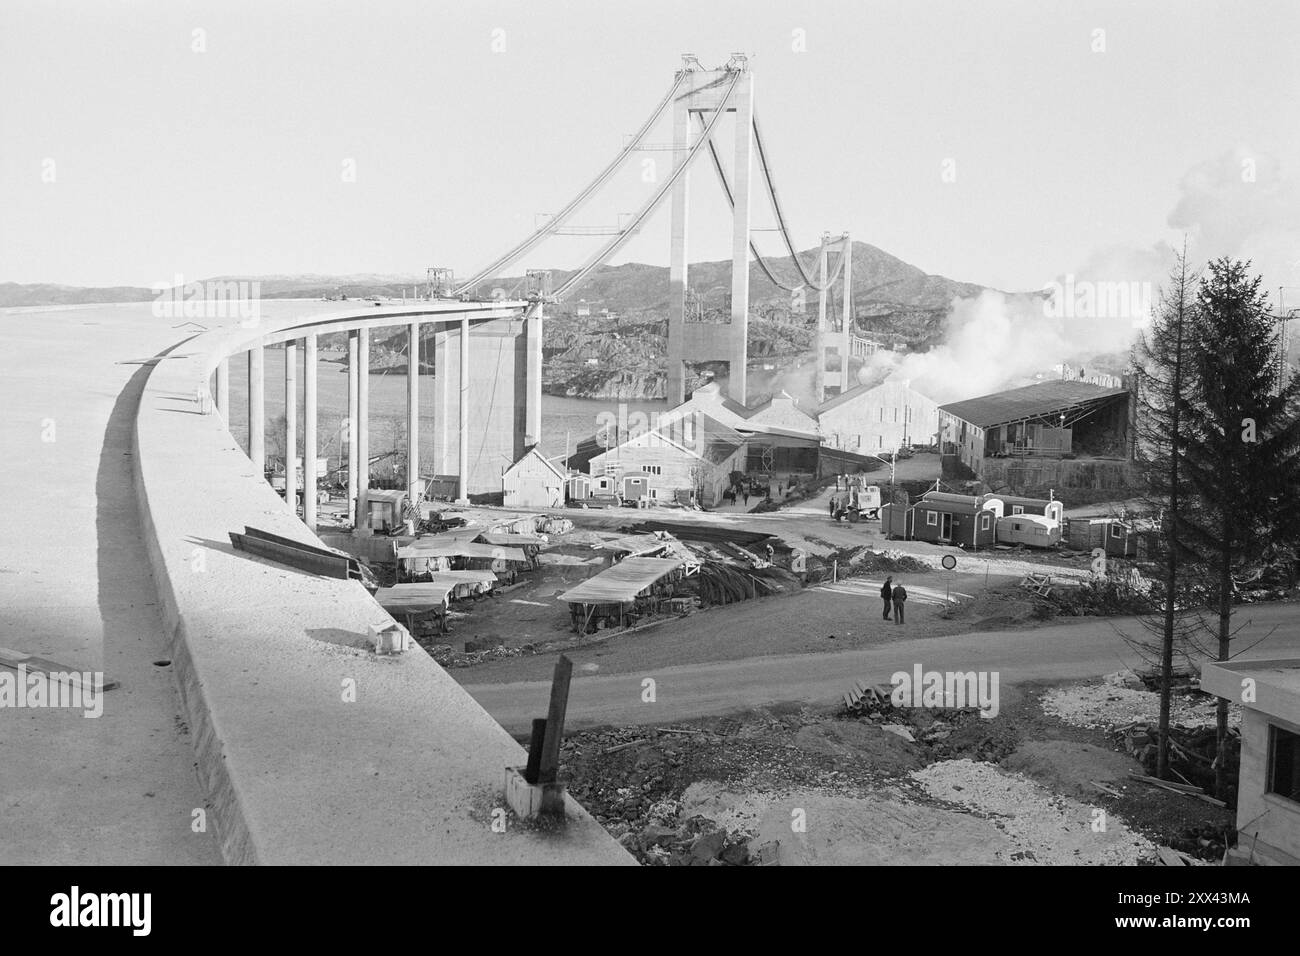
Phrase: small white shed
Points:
(533, 482)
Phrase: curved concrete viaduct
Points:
(307, 749)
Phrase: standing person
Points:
(746, 497)
(833, 509)
(900, 598)
(771, 554)
(887, 595)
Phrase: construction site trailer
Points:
(1035, 531)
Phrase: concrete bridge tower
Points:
(707, 91)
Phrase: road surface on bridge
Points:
(75, 587)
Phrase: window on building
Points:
(1284, 763)
(1019, 510)
(984, 521)
(882, 413)
(1116, 531)
(931, 518)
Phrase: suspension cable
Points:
(753, 247)
(559, 218)
(644, 213)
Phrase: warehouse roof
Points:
(621, 582)
(1032, 401)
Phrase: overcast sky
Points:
(233, 157)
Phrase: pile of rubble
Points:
(667, 840)
(448, 656)
(1122, 699)
(925, 725)
(1192, 752)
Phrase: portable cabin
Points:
(1035, 531)
(577, 487)
(385, 509)
(1114, 535)
(953, 519)
(1010, 505)
(896, 520)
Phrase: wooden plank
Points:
(12, 658)
(311, 561)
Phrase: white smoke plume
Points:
(1239, 204)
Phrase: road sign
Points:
(949, 561)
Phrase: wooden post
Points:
(535, 745)
(549, 769)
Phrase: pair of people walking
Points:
(895, 597)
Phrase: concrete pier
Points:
(290, 424)
(462, 411)
(257, 410)
(309, 483)
(413, 415)
(363, 432)
(353, 475)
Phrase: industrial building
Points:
(879, 420)
(682, 459)
(1050, 420)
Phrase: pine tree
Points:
(1243, 453)
(1161, 358)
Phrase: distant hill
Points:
(881, 283)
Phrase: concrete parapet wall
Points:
(312, 749)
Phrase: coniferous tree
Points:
(1243, 454)
(1161, 357)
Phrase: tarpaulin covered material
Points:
(502, 537)
(414, 598)
(620, 583)
(483, 576)
(423, 548)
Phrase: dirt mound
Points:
(1070, 767)
(884, 750)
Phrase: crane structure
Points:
(699, 100)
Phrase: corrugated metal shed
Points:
(620, 583)
(1032, 401)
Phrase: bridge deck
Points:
(409, 773)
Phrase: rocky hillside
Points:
(618, 350)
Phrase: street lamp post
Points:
(892, 462)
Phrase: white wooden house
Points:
(533, 482)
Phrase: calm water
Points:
(578, 417)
